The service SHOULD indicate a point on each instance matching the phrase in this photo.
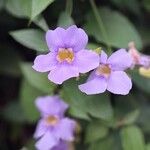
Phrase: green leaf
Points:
(19, 8)
(22, 9)
(120, 31)
(31, 38)
(11, 112)
(126, 110)
(131, 117)
(111, 142)
(72, 96)
(142, 82)
(93, 46)
(148, 146)
(38, 6)
(132, 138)
(143, 119)
(97, 106)
(27, 8)
(65, 20)
(78, 113)
(146, 4)
(28, 94)
(145, 34)
(41, 22)
(133, 6)
(36, 79)
(95, 131)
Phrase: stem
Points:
(69, 6)
(100, 24)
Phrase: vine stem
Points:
(69, 6)
(100, 24)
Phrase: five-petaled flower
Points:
(110, 75)
(68, 56)
(53, 128)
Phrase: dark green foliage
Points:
(107, 121)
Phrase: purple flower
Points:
(138, 58)
(68, 56)
(110, 75)
(53, 127)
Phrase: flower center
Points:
(51, 120)
(65, 55)
(104, 70)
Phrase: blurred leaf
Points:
(97, 106)
(9, 62)
(78, 113)
(120, 30)
(145, 34)
(36, 79)
(92, 46)
(132, 138)
(95, 131)
(111, 142)
(65, 20)
(19, 8)
(22, 9)
(28, 94)
(142, 82)
(31, 38)
(38, 6)
(72, 97)
(126, 110)
(133, 6)
(146, 4)
(2, 4)
(11, 112)
(41, 22)
(131, 117)
(143, 119)
(148, 146)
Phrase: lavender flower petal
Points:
(62, 73)
(55, 38)
(76, 38)
(47, 142)
(40, 129)
(119, 83)
(44, 63)
(86, 60)
(61, 146)
(51, 105)
(65, 129)
(120, 60)
(95, 86)
(103, 57)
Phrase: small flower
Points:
(110, 75)
(68, 56)
(53, 127)
(138, 58)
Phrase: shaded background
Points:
(124, 21)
